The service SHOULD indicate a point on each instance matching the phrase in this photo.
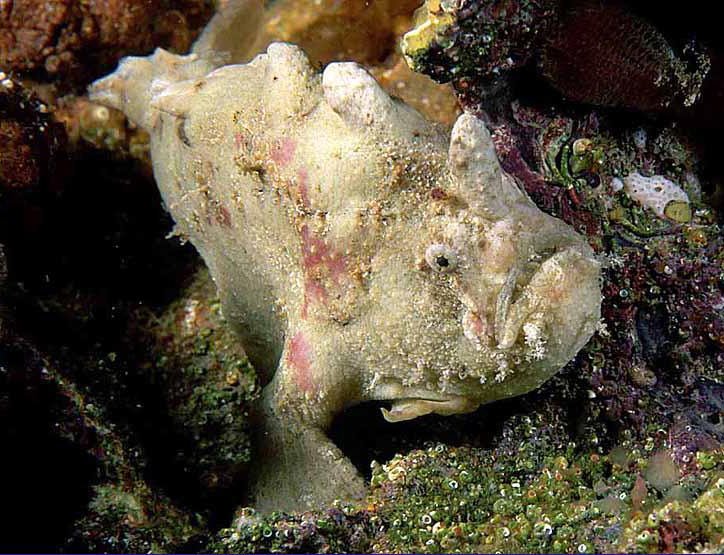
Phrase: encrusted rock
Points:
(29, 139)
(58, 36)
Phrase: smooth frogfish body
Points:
(360, 251)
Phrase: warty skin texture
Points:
(359, 251)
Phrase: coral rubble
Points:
(69, 38)
(475, 41)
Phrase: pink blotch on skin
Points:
(479, 328)
(219, 214)
(223, 216)
(317, 253)
(302, 184)
(299, 358)
(244, 142)
(438, 194)
(282, 151)
(473, 323)
(314, 292)
(318, 256)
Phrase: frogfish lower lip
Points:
(407, 409)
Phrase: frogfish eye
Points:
(441, 258)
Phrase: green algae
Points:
(207, 382)
(132, 518)
(528, 494)
(335, 530)
(679, 526)
(481, 503)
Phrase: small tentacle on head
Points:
(364, 105)
(477, 174)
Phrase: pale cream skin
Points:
(360, 251)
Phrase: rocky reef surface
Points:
(124, 397)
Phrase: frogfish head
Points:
(501, 295)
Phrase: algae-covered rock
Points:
(528, 493)
(475, 43)
(131, 517)
(83, 471)
(206, 383)
(339, 529)
(598, 53)
(692, 526)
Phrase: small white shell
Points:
(441, 258)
